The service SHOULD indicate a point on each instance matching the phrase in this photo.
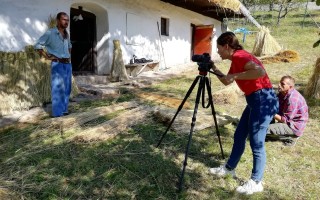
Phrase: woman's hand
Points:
(227, 79)
(213, 66)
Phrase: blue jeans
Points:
(261, 107)
(60, 87)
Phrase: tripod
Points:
(203, 83)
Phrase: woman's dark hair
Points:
(230, 39)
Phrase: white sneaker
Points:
(250, 187)
(222, 171)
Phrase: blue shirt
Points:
(54, 43)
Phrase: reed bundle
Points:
(24, 81)
(313, 87)
(265, 44)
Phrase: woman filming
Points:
(262, 104)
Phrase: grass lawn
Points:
(41, 163)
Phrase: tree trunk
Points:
(271, 6)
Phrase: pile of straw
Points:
(265, 44)
(24, 81)
(228, 95)
(112, 127)
(283, 56)
(313, 87)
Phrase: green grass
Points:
(41, 163)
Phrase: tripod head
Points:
(204, 64)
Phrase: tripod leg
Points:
(179, 108)
(194, 118)
(214, 114)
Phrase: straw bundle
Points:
(265, 44)
(118, 70)
(313, 86)
(25, 81)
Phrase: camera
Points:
(204, 61)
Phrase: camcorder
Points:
(204, 62)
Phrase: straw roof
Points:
(217, 9)
(231, 4)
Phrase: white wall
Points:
(22, 22)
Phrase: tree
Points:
(285, 6)
(282, 7)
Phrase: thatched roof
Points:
(217, 9)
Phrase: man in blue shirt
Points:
(55, 45)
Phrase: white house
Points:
(151, 29)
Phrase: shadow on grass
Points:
(46, 165)
(52, 167)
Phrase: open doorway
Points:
(83, 38)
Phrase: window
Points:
(164, 26)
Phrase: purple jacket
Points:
(293, 111)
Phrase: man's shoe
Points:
(222, 171)
(250, 187)
(65, 113)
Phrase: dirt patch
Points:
(159, 99)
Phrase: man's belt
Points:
(61, 60)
